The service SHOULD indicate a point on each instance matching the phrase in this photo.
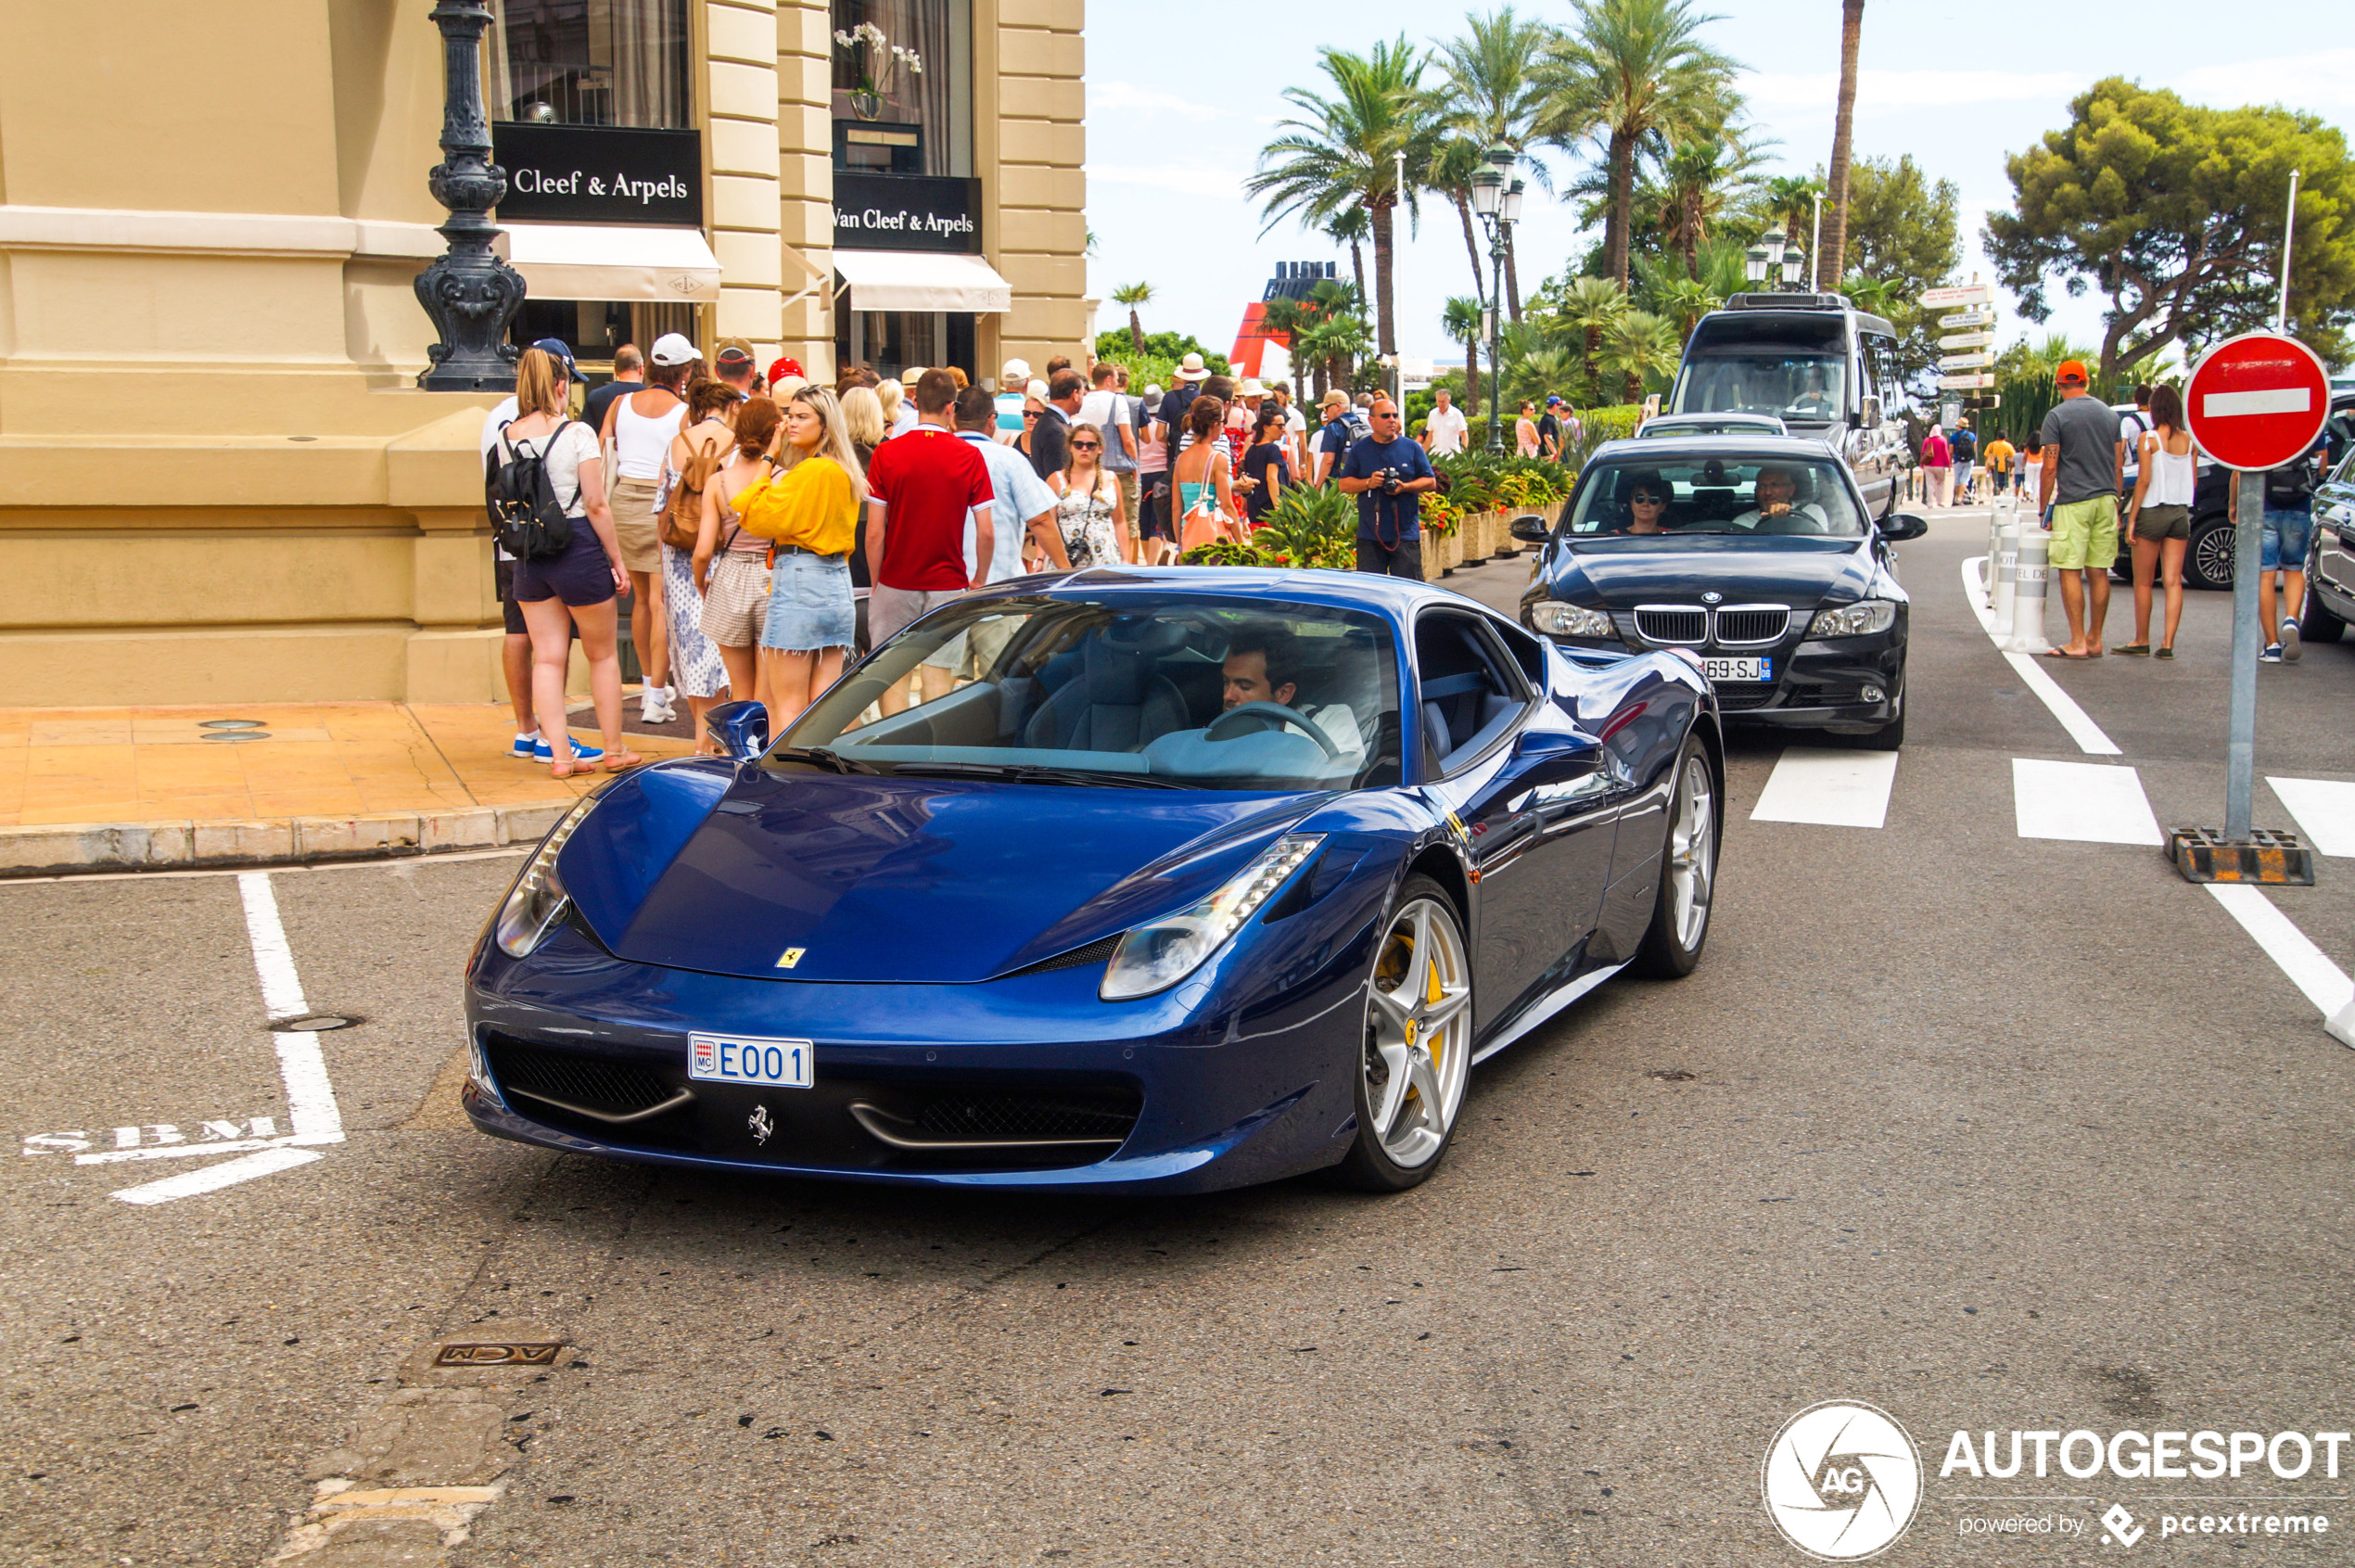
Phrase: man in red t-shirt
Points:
(920, 486)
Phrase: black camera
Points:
(1390, 482)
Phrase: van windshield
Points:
(1790, 386)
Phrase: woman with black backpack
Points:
(550, 482)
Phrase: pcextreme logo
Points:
(1842, 1481)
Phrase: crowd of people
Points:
(766, 528)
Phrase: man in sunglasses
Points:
(1388, 474)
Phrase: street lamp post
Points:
(469, 292)
(1498, 205)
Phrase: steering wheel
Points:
(1282, 715)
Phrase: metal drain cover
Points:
(229, 725)
(311, 1024)
(539, 1354)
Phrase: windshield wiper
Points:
(818, 756)
(1021, 772)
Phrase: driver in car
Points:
(1815, 402)
(1774, 513)
(1262, 665)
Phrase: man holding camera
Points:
(1388, 474)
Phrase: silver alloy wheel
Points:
(2214, 562)
(1417, 1034)
(1692, 851)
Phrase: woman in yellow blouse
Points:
(809, 512)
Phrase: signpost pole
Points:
(2240, 756)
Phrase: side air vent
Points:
(1078, 958)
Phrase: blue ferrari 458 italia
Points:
(1157, 880)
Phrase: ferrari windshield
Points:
(1175, 691)
(1760, 496)
(1811, 387)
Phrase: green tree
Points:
(1700, 177)
(1497, 96)
(1901, 241)
(1838, 195)
(1460, 319)
(1133, 294)
(1591, 307)
(1629, 71)
(1789, 199)
(1337, 153)
(1350, 227)
(1640, 346)
(2173, 212)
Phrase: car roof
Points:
(1394, 597)
(1731, 416)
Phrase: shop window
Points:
(591, 62)
(594, 329)
(895, 115)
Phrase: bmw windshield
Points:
(1741, 497)
(1134, 690)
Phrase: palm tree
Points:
(1641, 344)
(1337, 153)
(1286, 319)
(1336, 343)
(1632, 69)
(1592, 306)
(1498, 94)
(1351, 229)
(1460, 318)
(1791, 201)
(1133, 294)
(1546, 367)
(1701, 175)
(1834, 256)
(1450, 173)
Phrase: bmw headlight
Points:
(1155, 957)
(1860, 619)
(1555, 619)
(538, 897)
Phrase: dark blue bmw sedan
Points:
(1754, 553)
(1148, 880)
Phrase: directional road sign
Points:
(1966, 383)
(1981, 317)
(2258, 400)
(1964, 361)
(1966, 340)
(1969, 293)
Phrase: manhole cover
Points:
(471, 1354)
(311, 1024)
(1671, 1074)
(238, 735)
(229, 725)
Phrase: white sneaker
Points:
(652, 709)
(2291, 642)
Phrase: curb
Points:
(180, 845)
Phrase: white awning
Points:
(923, 280)
(611, 261)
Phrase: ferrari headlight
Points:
(1860, 619)
(1558, 620)
(1155, 957)
(538, 897)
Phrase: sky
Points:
(1181, 99)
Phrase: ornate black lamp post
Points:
(1498, 205)
(470, 293)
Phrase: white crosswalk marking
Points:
(2309, 968)
(2086, 801)
(1829, 788)
(2324, 810)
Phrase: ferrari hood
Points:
(914, 881)
(1795, 571)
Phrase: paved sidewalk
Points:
(144, 787)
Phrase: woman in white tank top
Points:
(2159, 522)
(637, 437)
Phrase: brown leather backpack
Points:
(682, 520)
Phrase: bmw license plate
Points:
(1762, 669)
(773, 1063)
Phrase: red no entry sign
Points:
(2257, 401)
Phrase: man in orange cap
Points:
(2084, 468)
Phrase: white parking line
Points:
(2310, 969)
(1828, 789)
(2324, 810)
(2075, 720)
(302, 1068)
(2084, 801)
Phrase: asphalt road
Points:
(1994, 1132)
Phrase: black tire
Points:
(1671, 948)
(2208, 560)
(2317, 622)
(1368, 1167)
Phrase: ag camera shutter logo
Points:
(1842, 1481)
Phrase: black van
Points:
(1825, 369)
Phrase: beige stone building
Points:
(218, 478)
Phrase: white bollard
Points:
(2005, 573)
(1994, 545)
(2028, 592)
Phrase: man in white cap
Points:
(1013, 381)
(1185, 383)
(906, 419)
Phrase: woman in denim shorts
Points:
(732, 569)
(809, 512)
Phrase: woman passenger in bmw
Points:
(1648, 499)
